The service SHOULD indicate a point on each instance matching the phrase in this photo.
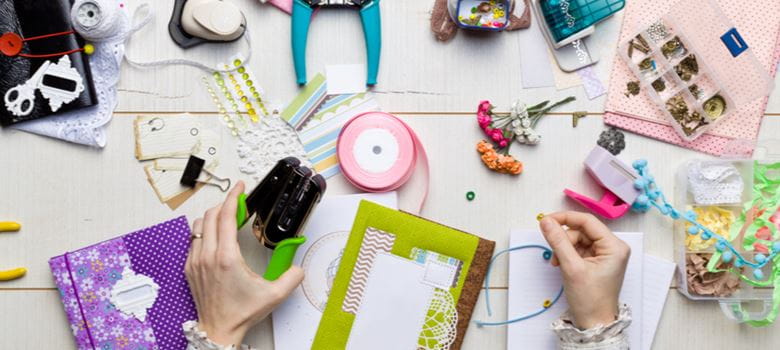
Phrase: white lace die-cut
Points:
(134, 294)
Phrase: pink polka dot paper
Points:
(759, 24)
(85, 278)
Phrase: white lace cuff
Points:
(601, 337)
(198, 340)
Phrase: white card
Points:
(533, 280)
(295, 321)
(394, 306)
(346, 78)
(535, 64)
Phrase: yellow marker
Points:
(547, 303)
(9, 226)
(12, 274)
(539, 217)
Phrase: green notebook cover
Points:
(410, 231)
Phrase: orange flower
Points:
(501, 163)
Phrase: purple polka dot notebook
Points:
(129, 292)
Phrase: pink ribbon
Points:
(383, 177)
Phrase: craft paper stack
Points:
(169, 141)
(129, 292)
(532, 280)
(759, 24)
(403, 282)
(319, 117)
(327, 230)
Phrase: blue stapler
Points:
(369, 15)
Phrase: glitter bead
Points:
(241, 69)
(237, 62)
(245, 76)
(249, 83)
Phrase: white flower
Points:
(97, 322)
(117, 331)
(124, 260)
(149, 335)
(103, 293)
(534, 138)
(525, 122)
(87, 283)
(93, 255)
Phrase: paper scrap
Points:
(295, 321)
(323, 128)
(593, 86)
(395, 299)
(563, 80)
(535, 65)
(166, 137)
(532, 280)
(658, 275)
(346, 78)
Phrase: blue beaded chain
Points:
(650, 197)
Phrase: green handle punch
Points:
(284, 252)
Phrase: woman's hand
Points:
(593, 261)
(229, 296)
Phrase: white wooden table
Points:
(68, 196)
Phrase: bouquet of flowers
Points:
(501, 129)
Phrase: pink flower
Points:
(503, 143)
(497, 135)
(484, 106)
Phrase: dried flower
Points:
(502, 163)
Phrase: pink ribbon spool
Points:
(378, 153)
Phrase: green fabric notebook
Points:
(410, 237)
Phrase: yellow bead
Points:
(249, 83)
(237, 62)
(89, 49)
(252, 89)
(238, 87)
(256, 95)
(539, 217)
(222, 110)
(248, 105)
(244, 99)
(241, 70)
(547, 303)
(251, 111)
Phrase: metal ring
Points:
(155, 128)
(196, 236)
(212, 151)
(194, 131)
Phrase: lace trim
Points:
(87, 126)
(715, 182)
(602, 337)
(198, 340)
(264, 143)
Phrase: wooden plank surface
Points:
(68, 196)
(417, 73)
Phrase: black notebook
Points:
(35, 87)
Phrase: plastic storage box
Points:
(695, 66)
(731, 305)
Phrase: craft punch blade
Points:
(615, 177)
(567, 25)
(178, 29)
(281, 204)
(372, 30)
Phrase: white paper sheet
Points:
(532, 280)
(535, 63)
(657, 276)
(394, 305)
(346, 78)
(295, 321)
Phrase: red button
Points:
(10, 44)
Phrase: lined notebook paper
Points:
(532, 280)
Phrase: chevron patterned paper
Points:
(374, 242)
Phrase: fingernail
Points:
(539, 216)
